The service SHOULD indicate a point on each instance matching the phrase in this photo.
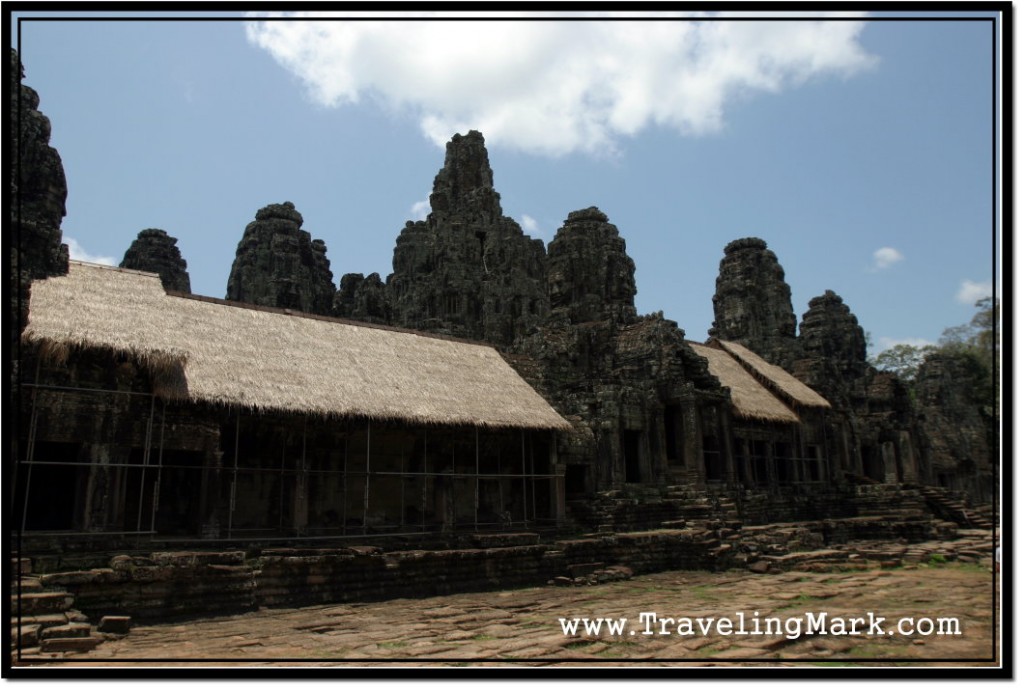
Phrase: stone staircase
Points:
(43, 621)
(948, 507)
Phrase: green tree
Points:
(976, 344)
(902, 360)
(977, 340)
(980, 335)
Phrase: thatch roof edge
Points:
(781, 382)
(256, 359)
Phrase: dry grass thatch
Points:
(750, 399)
(776, 378)
(271, 360)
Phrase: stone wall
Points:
(167, 584)
(158, 585)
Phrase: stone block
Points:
(41, 603)
(70, 645)
(115, 624)
(71, 630)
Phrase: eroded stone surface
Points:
(607, 370)
(277, 264)
(156, 251)
(753, 303)
(833, 349)
(363, 298)
(518, 626)
(38, 190)
(956, 421)
(467, 270)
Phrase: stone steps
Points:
(24, 636)
(42, 620)
(41, 603)
(75, 644)
(953, 509)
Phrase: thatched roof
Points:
(779, 380)
(274, 360)
(750, 399)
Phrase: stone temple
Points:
(495, 402)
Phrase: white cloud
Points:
(886, 342)
(886, 257)
(556, 87)
(76, 251)
(970, 291)
(529, 224)
(420, 209)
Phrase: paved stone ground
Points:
(522, 626)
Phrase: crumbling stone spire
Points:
(156, 251)
(278, 265)
(590, 276)
(464, 187)
(829, 330)
(753, 303)
(363, 298)
(38, 191)
(468, 270)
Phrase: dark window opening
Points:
(784, 469)
(874, 468)
(179, 509)
(53, 492)
(673, 414)
(575, 481)
(814, 470)
(712, 459)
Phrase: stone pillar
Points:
(558, 486)
(104, 506)
(693, 444)
(889, 462)
(845, 453)
(658, 452)
(907, 457)
(300, 500)
(746, 473)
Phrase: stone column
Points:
(693, 444)
(889, 462)
(907, 457)
(558, 486)
(104, 506)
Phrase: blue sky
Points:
(861, 151)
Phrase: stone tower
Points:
(363, 298)
(38, 191)
(467, 270)
(156, 251)
(833, 349)
(753, 304)
(278, 265)
(590, 276)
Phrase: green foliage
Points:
(974, 345)
(902, 360)
(981, 335)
